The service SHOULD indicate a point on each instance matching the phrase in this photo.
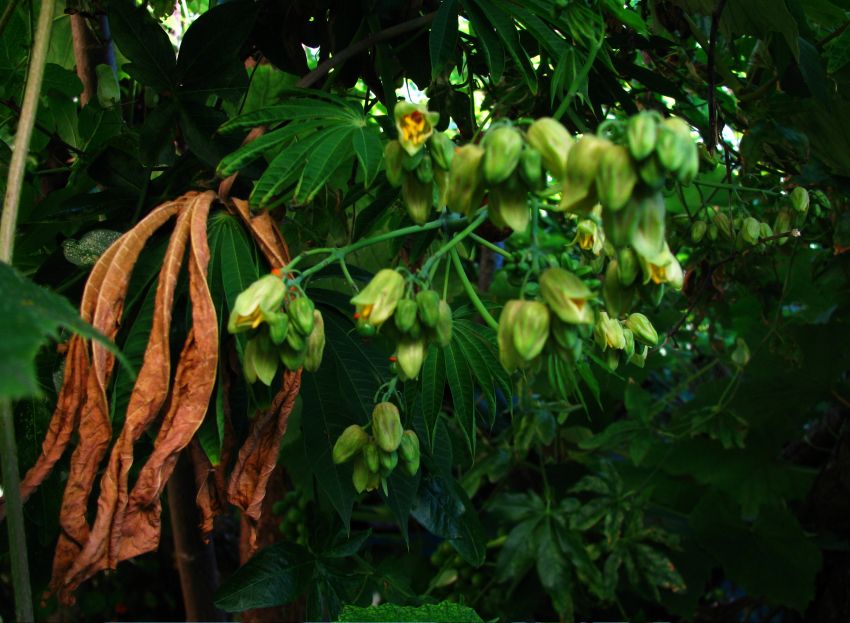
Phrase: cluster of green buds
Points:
(616, 338)
(559, 322)
(507, 165)
(419, 160)
(285, 328)
(377, 455)
(411, 321)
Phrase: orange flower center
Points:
(413, 127)
(658, 274)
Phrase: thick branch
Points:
(83, 44)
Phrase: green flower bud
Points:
(349, 443)
(377, 301)
(418, 196)
(315, 343)
(750, 230)
(800, 199)
(698, 231)
(415, 125)
(589, 236)
(690, 166)
(629, 348)
(292, 359)
(553, 142)
(652, 173)
(393, 156)
(663, 268)
(615, 178)
(502, 148)
(360, 477)
(256, 303)
(442, 150)
(642, 329)
(642, 133)
(568, 339)
(389, 460)
(409, 448)
(648, 237)
(444, 324)
(621, 225)
(405, 315)
(260, 359)
(566, 295)
(295, 340)
(508, 355)
(510, 201)
(301, 315)
(466, 179)
(618, 298)
(386, 426)
(724, 225)
(639, 358)
(608, 333)
(410, 354)
(441, 178)
(713, 232)
(819, 198)
(531, 168)
(783, 223)
(628, 266)
(579, 193)
(674, 143)
(428, 303)
(278, 327)
(741, 354)
(425, 170)
(372, 457)
(531, 329)
(765, 231)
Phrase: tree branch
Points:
(713, 135)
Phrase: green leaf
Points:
(257, 148)
(296, 110)
(433, 384)
(32, 315)
(492, 49)
(772, 557)
(238, 265)
(459, 378)
(327, 154)
(553, 569)
(143, 43)
(445, 511)
(345, 544)
(369, 151)
(402, 489)
(519, 551)
(443, 37)
(274, 576)
(282, 171)
(209, 59)
(507, 33)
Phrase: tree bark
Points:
(195, 560)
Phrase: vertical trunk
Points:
(84, 57)
(195, 559)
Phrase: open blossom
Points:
(566, 295)
(663, 268)
(415, 125)
(257, 304)
(377, 301)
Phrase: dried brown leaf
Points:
(265, 233)
(148, 396)
(257, 457)
(193, 384)
(95, 429)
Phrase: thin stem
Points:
(7, 14)
(489, 245)
(470, 292)
(8, 223)
(459, 237)
(736, 187)
(336, 254)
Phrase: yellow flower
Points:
(415, 125)
(663, 268)
(377, 301)
(257, 304)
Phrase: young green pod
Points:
(553, 142)
(351, 441)
(386, 426)
(615, 178)
(642, 133)
(530, 329)
(301, 316)
(466, 179)
(315, 343)
(405, 315)
(502, 149)
(428, 303)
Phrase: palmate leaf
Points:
(506, 31)
(370, 152)
(443, 38)
(248, 153)
(329, 153)
(491, 47)
(433, 385)
(143, 43)
(459, 377)
(283, 170)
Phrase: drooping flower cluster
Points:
(411, 321)
(285, 328)
(376, 456)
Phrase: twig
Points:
(83, 43)
(8, 222)
(364, 44)
(711, 100)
